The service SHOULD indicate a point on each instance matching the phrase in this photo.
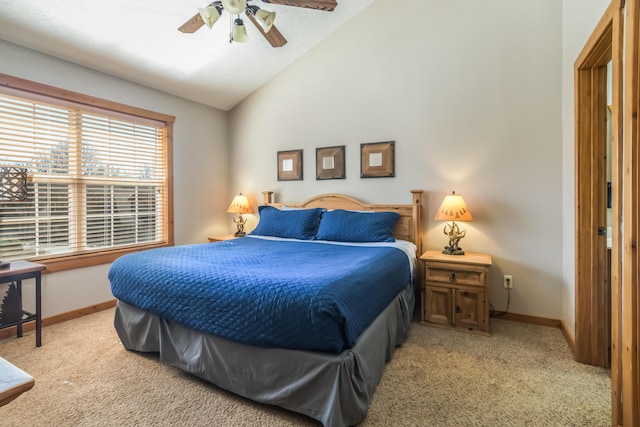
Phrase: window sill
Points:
(71, 262)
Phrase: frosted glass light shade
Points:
(265, 19)
(239, 32)
(234, 7)
(209, 15)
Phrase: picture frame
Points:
(290, 165)
(330, 162)
(377, 159)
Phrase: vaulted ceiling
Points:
(138, 40)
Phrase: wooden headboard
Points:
(408, 227)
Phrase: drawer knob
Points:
(453, 278)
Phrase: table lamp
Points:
(239, 205)
(453, 208)
(13, 188)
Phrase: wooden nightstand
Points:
(455, 292)
(221, 238)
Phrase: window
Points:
(99, 181)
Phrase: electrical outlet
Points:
(508, 281)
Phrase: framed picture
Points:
(330, 162)
(290, 165)
(377, 160)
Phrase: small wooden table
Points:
(17, 272)
(221, 238)
(13, 382)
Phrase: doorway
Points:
(599, 121)
(598, 118)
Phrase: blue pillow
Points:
(350, 226)
(293, 224)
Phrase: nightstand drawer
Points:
(455, 276)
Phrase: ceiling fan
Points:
(262, 19)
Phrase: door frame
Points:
(625, 271)
(597, 290)
(629, 338)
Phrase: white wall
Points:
(472, 94)
(200, 165)
(579, 19)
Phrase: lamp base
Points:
(451, 250)
(240, 222)
(455, 235)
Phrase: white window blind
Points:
(97, 178)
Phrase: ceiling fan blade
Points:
(192, 25)
(327, 5)
(274, 36)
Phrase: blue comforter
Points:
(266, 293)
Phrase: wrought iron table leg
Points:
(38, 311)
(19, 325)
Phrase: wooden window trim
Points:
(73, 261)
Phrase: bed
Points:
(293, 324)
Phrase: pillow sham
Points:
(290, 208)
(349, 226)
(292, 224)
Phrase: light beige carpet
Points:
(521, 375)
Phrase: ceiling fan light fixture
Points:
(209, 15)
(239, 31)
(265, 19)
(234, 7)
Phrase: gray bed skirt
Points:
(333, 389)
